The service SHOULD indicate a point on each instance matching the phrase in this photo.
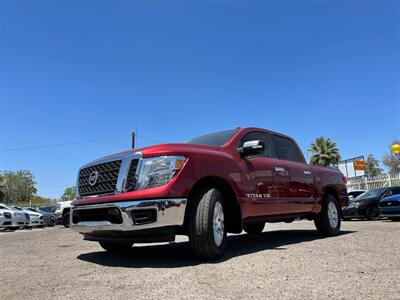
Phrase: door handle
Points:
(280, 169)
(307, 172)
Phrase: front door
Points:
(267, 193)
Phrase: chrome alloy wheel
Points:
(218, 223)
(333, 215)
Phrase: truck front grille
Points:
(106, 182)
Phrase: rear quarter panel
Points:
(326, 178)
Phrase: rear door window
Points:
(285, 149)
(392, 192)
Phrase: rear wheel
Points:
(254, 228)
(372, 213)
(328, 220)
(116, 246)
(207, 233)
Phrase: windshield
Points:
(214, 139)
(371, 194)
(47, 208)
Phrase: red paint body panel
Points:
(282, 193)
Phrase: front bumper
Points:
(34, 221)
(167, 212)
(2, 220)
(352, 212)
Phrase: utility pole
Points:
(135, 138)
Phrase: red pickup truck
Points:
(215, 184)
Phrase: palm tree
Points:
(324, 152)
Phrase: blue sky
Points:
(79, 70)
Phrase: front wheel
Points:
(207, 233)
(372, 213)
(116, 246)
(328, 220)
(65, 220)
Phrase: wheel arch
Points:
(233, 212)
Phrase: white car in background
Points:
(35, 219)
(62, 212)
(12, 218)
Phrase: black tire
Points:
(372, 213)
(395, 219)
(116, 246)
(322, 221)
(65, 220)
(201, 230)
(254, 228)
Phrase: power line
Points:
(148, 139)
(63, 144)
(74, 143)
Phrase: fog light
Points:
(115, 215)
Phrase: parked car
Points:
(62, 212)
(214, 184)
(367, 205)
(35, 219)
(355, 194)
(13, 218)
(390, 207)
(49, 218)
(47, 208)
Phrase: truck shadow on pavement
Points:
(175, 255)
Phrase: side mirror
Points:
(251, 148)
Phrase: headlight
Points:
(352, 204)
(358, 204)
(156, 171)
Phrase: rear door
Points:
(269, 181)
(301, 181)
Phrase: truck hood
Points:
(167, 149)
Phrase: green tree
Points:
(2, 190)
(324, 152)
(391, 162)
(372, 166)
(69, 194)
(18, 186)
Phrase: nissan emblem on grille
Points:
(93, 178)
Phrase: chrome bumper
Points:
(170, 212)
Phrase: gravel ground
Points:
(287, 261)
